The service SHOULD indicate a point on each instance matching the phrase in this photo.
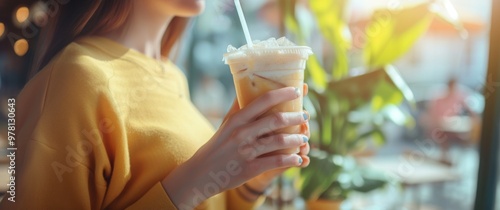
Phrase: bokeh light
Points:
(21, 47)
(22, 14)
(2, 29)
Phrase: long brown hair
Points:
(92, 17)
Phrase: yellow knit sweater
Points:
(100, 126)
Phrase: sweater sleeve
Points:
(156, 198)
(71, 146)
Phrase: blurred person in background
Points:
(106, 121)
(449, 118)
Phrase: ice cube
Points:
(283, 41)
(230, 48)
(269, 43)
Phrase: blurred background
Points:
(410, 74)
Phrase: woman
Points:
(107, 122)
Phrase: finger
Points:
(305, 89)
(264, 103)
(305, 161)
(304, 149)
(271, 174)
(271, 123)
(263, 164)
(304, 129)
(234, 108)
(278, 142)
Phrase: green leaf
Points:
(391, 90)
(330, 18)
(291, 23)
(385, 94)
(309, 106)
(370, 185)
(326, 131)
(371, 180)
(376, 134)
(351, 132)
(354, 178)
(378, 137)
(291, 173)
(323, 117)
(314, 96)
(391, 33)
(319, 175)
(335, 192)
(317, 73)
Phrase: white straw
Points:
(243, 23)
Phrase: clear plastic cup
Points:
(261, 69)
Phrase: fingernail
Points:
(305, 115)
(300, 160)
(297, 92)
(305, 139)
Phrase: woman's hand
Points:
(262, 181)
(234, 154)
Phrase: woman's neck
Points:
(142, 32)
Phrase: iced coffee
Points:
(269, 65)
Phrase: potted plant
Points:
(350, 114)
(350, 111)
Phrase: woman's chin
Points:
(181, 8)
(194, 9)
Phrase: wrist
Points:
(175, 189)
(260, 183)
(254, 188)
(183, 187)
